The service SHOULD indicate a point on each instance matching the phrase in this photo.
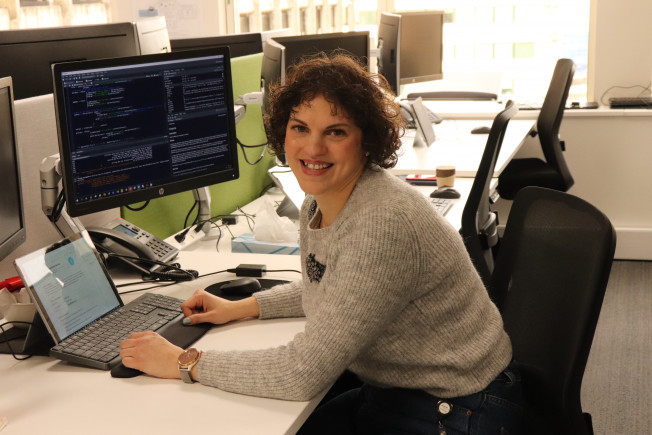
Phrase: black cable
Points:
(57, 208)
(244, 154)
(185, 221)
(6, 340)
(284, 270)
(142, 207)
(176, 275)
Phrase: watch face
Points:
(188, 357)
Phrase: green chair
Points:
(166, 216)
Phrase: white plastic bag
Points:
(270, 227)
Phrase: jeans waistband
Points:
(431, 408)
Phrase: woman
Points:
(387, 288)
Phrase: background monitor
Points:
(272, 68)
(27, 54)
(138, 128)
(12, 220)
(296, 47)
(410, 47)
(241, 44)
(152, 35)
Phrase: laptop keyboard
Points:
(99, 344)
(442, 205)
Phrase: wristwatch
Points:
(187, 361)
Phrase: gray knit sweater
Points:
(389, 292)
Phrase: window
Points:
(521, 38)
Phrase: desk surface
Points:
(455, 145)
(45, 395)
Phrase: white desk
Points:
(456, 146)
(45, 395)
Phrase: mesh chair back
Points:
(551, 275)
(479, 223)
(550, 117)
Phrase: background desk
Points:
(455, 145)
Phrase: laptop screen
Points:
(69, 285)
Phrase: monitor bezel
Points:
(288, 41)
(240, 44)
(158, 191)
(18, 237)
(37, 49)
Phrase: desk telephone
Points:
(408, 113)
(123, 238)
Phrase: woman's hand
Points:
(152, 354)
(203, 307)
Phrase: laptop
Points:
(81, 307)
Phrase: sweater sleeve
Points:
(280, 301)
(362, 291)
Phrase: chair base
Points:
(520, 173)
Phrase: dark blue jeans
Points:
(370, 410)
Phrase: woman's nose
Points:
(316, 144)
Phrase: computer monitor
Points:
(241, 44)
(27, 54)
(138, 128)
(296, 47)
(410, 47)
(152, 35)
(12, 219)
(272, 68)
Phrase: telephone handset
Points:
(123, 238)
(408, 114)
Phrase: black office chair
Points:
(549, 281)
(552, 173)
(454, 95)
(479, 223)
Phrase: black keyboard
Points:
(98, 345)
(631, 102)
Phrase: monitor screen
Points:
(355, 43)
(152, 35)
(27, 54)
(241, 44)
(137, 128)
(12, 223)
(410, 47)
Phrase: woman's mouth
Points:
(316, 166)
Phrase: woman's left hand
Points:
(152, 354)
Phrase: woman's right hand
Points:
(203, 307)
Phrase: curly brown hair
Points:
(363, 96)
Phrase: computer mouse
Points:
(238, 287)
(481, 130)
(445, 192)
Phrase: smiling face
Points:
(323, 147)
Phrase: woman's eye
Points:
(337, 132)
(299, 128)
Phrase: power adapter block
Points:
(252, 270)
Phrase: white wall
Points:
(620, 51)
